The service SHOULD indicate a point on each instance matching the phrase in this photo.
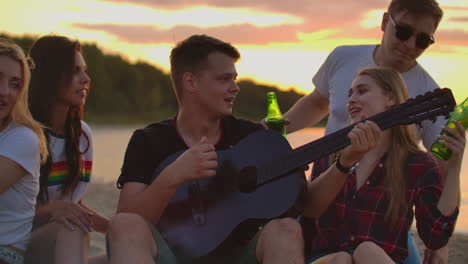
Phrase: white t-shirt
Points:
(17, 203)
(336, 74)
(59, 168)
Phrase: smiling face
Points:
(367, 98)
(402, 54)
(74, 93)
(215, 88)
(11, 83)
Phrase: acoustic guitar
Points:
(261, 178)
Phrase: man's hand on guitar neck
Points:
(199, 161)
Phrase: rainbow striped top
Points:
(59, 170)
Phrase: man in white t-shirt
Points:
(408, 28)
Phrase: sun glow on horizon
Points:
(372, 19)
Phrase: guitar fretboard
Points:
(432, 104)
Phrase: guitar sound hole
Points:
(247, 179)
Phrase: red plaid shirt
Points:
(358, 216)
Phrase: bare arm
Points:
(309, 110)
(99, 223)
(12, 172)
(451, 174)
(450, 197)
(323, 190)
(149, 201)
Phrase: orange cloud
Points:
(316, 15)
(297, 7)
(344, 17)
(239, 34)
(459, 19)
(452, 37)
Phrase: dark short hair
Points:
(417, 7)
(191, 54)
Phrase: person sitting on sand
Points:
(359, 206)
(22, 147)
(59, 87)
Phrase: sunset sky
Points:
(281, 42)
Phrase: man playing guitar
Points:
(204, 79)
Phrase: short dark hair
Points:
(191, 54)
(417, 7)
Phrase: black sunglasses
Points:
(404, 32)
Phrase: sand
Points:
(103, 198)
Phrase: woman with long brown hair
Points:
(360, 201)
(59, 87)
(22, 147)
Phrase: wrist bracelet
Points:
(344, 169)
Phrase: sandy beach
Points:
(103, 198)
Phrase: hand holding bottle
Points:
(453, 139)
(460, 115)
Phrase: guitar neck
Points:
(414, 110)
(333, 142)
(314, 150)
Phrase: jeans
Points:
(413, 254)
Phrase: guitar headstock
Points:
(415, 110)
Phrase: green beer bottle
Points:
(460, 114)
(274, 119)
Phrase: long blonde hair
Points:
(403, 141)
(20, 113)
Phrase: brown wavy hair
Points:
(403, 141)
(54, 57)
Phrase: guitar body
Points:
(218, 201)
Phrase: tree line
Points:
(124, 92)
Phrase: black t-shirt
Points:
(149, 146)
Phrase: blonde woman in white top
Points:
(22, 146)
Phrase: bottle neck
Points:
(460, 112)
(273, 109)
